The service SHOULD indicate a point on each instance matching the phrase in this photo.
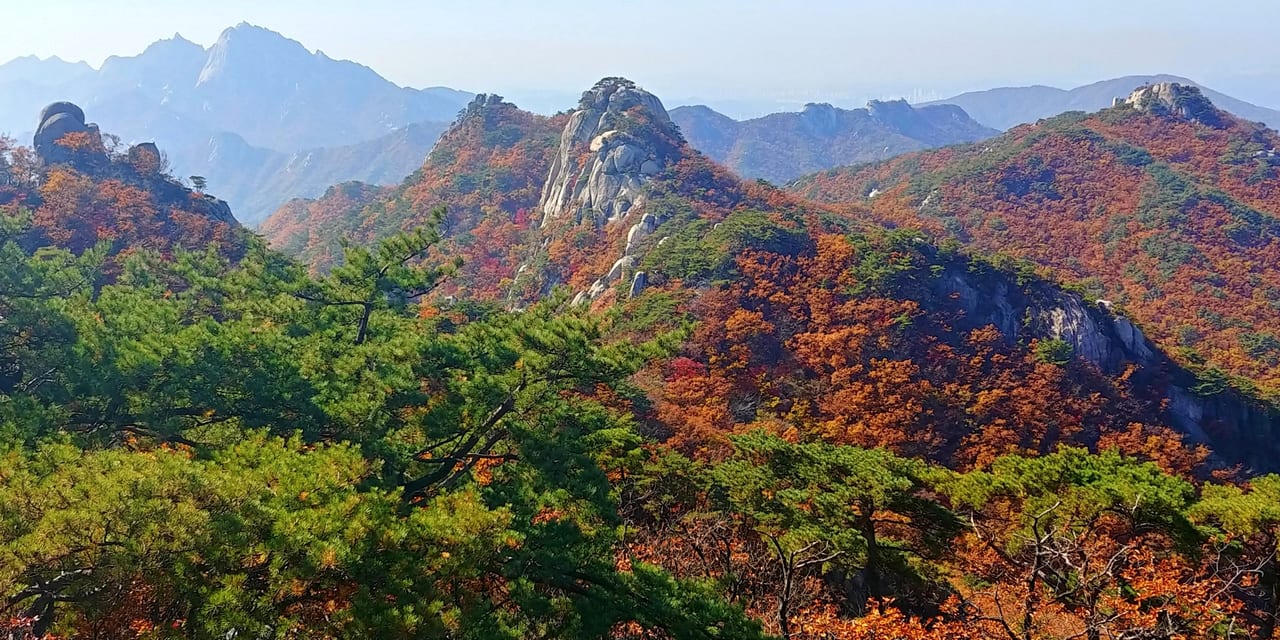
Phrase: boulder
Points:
(56, 121)
(647, 225)
(619, 266)
(62, 107)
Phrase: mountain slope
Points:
(618, 209)
(83, 194)
(783, 146)
(487, 169)
(1163, 206)
(746, 385)
(1008, 107)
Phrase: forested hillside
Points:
(575, 380)
(487, 170)
(1169, 213)
(85, 190)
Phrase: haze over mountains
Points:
(250, 128)
(265, 133)
(1007, 107)
(783, 146)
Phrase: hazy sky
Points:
(716, 50)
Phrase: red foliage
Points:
(787, 348)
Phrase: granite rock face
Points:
(1112, 343)
(1178, 100)
(57, 121)
(616, 142)
(619, 137)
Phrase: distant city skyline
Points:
(738, 56)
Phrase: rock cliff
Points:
(1179, 100)
(619, 137)
(615, 143)
(1237, 427)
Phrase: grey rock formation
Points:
(640, 231)
(618, 139)
(638, 283)
(56, 121)
(1269, 156)
(623, 133)
(1181, 100)
(1096, 334)
(621, 267)
(1112, 342)
(62, 107)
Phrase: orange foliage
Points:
(787, 348)
(1174, 220)
(77, 211)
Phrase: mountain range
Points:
(619, 203)
(262, 134)
(783, 146)
(248, 127)
(1007, 107)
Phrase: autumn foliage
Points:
(1172, 220)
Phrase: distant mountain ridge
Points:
(1006, 107)
(783, 146)
(224, 114)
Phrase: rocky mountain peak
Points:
(820, 118)
(1177, 100)
(175, 44)
(619, 137)
(611, 96)
(244, 47)
(482, 103)
(889, 109)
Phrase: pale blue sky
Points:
(717, 50)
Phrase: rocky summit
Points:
(1172, 98)
(619, 137)
(88, 189)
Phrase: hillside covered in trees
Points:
(575, 380)
(1167, 211)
